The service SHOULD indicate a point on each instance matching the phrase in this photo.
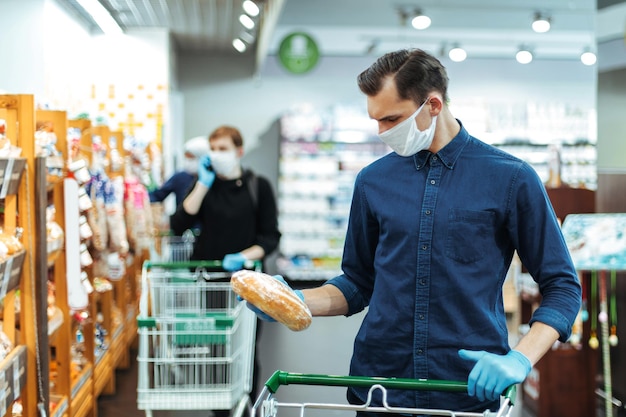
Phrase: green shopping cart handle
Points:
(195, 264)
(285, 378)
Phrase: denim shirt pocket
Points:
(469, 232)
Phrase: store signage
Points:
(298, 53)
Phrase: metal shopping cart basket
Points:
(196, 339)
(267, 405)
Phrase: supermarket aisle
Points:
(124, 401)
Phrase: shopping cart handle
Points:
(285, 378)
(194, 264)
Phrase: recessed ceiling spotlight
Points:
(246, 21)
(524, 56)
(239, 45)
(251, 8)
(420, 21)
(457, 54)
(541, 23)
(588, 57)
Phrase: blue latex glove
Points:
(266, 317)
(233, 261)
(493, 373)
(206, 175)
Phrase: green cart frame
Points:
(267, 405)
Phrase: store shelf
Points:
(12, 377)
(55, 321)
(11, 272)
(578, 160)
(316, 180)
(103, 372)
(16, 185)
(60, 406)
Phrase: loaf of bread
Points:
(272, 297)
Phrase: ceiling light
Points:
(251, 8)
(524, 56)
(246, 21)
(457, 54)
(239, 45)
(420, 21)
(588, 57)
(541, 23)
(101, 16)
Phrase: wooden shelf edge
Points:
(82, 408)
(83, 380)
(61, 408)
(55, 322)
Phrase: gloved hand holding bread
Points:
(272, 296)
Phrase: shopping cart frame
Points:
(268, 405)
(161, 328)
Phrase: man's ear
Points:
(436, 104)
(240, 151)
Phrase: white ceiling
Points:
(485, 28)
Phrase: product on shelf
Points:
(11, 242)
(6, 346)
(45, 145)
(7, 150)
(54, 235)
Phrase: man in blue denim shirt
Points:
(433, 228)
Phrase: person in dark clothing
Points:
(237, 224)
(236, 210)
(180, 182)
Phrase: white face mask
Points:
(225, 163)
(190, 165)
(406, 139)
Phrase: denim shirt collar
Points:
(449, 154)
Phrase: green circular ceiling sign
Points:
(298, 53)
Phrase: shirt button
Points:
(428, 212)
(424, 247)
(432, 182)
(422, 282)
(421, 316)
(420, 351)
(434, 158)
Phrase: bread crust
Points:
(272, 297)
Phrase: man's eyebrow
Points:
(387, 117)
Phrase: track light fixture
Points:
(247, 36)
(251, 8)
(239, 45)
(524, 56)
(246, 21)
(541, 23)
(588, 57)
(420, 21)
(457, 54)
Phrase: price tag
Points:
(16, 378)
(6, 277)
(7, 178)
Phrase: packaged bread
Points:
(12, 243)
(272, 297)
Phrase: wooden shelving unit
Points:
(19, 367)
(39, 371)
